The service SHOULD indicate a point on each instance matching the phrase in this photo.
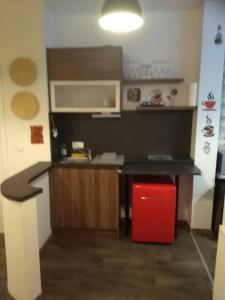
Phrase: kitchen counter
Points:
(18, 187)
(172, 167)
(137, 166)
(84, 165)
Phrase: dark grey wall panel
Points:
(135, 134)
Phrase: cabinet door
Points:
(85, 96)
(106, 190)
(60, 181)
(84, 198)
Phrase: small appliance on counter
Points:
(79, 152)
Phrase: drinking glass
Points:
(167, 71)
(143, 71)
(133, 69)
(155, 69)
(160, 69)
(149, 71)
(126, 68)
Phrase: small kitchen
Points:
(122, 128)
(151, 140)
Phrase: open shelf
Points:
(152, 80)
(166, 108)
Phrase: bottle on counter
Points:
(63, 150)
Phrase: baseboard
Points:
(184, 225)
(46, 242)
(9, 297)
(86, 233)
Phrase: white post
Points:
(22, 250)
(208, 114)
(219, 280)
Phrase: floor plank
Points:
(119, 270)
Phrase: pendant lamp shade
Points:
(121, 15)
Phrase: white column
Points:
(22, 249)
(219, 281)
(208, 114)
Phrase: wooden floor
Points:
(119, 270)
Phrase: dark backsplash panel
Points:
(135, 134)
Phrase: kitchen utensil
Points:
(54, 129)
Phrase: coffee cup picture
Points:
(209, 103)
(208, 131)
(134, 95)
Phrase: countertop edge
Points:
(18, 188)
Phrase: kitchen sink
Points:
(69, 160)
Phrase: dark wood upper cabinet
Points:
(98, 63)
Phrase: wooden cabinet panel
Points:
(84, 198)
(94, 63)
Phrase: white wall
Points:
(43, 209)
(3, 149)
(172, 35)
(212, 61)
(22, 35)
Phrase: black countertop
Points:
(18, 187)
(85, 165)
(172, 167)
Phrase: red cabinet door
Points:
(153, 212)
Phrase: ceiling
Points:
(94, 6)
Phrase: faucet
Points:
(89, 154)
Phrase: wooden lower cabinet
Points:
(85, 199)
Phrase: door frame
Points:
(3, 146)
(3, 139)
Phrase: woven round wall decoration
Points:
(23, 71)
(25, 105)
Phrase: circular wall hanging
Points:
(25, 105)
(23, 71)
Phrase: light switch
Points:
(20, 149)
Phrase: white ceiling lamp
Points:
(121, 15)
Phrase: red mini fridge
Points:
(154, 212)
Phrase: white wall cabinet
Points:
(85, 96)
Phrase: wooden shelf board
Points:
(171, 108)
(153, 80)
